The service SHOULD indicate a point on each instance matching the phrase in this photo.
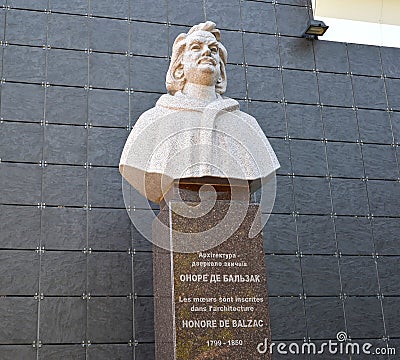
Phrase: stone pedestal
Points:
(211, 304)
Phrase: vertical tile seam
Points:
(41, 238)
(244, 62)
(87, 207)
(129, 95)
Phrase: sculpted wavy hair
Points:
(176, 81)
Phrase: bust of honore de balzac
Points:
(193, 131)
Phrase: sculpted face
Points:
(201, 59)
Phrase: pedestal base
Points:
(211, 304)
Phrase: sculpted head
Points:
(198, 57)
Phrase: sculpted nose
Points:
(206, 50)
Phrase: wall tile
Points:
(26, 27)
(283, 275)
(105, 146)
(71, 7)
(296, 53)
(335, 89)
(108, 108)
(62, 320)
(144, 319)
(312, 195)
(364, 59)
(225, 13)
(109, 229)
(345, 160)
(22, 63)
(105, 188)
(374, 126)
(261, 49)
(354, 235)
(11, 352)
(24, 236)
(18, 320)
(331, 56)
(387, 267)
(54, 352)
(19, 272)
(359, 275)
(64, 185)
(149, 39)
(380, 161)
(148, 74)
(110, 320)
(66, 105)
(22, 102)
(382, 195)
(143, 273)
(60, 140)
(258, 17)
(17, 187)
(118, 9)
(323, 324)
(64, 228)
(271, 86)
(74, 63)
(63, 273)
(369, 92)
(320, 275)
(364, 317)
(308, 157)
(280, 234)
(109, 71)
(186, 12)
(383, 230)
(309, 230)
(67, 31)
(390, 65)
(292, 20)
(300, 86)
(287, 318)
(270, 116)
(349, 197)
(21, 142)
(340, 124)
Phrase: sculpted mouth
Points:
(207, 60)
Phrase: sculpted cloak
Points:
(183, 137)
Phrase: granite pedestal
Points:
(210, 304)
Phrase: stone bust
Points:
(193, 132)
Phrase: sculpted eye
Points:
(214, 49)
(195, 47)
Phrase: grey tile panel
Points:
(68, 31)
(63, 273)
(295, 327)
(27, 234)
(110, 9)
(23, 63)
(261, 49)
(22, 142)
(26, 27)
(110, 320)
(108, 35)
(62, 320)
(19, 321)
(258, 17)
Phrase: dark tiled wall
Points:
(76, 278)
